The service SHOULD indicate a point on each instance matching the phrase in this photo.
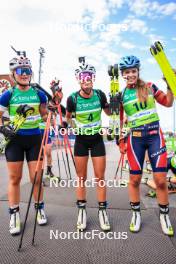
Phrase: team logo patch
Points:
(137, 134)
(153, 132)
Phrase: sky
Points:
(101, 30)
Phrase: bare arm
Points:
(1, 114)
(43, 111)
(69, 119)
(107, 111)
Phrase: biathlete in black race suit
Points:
(87, 104)
(26, 143)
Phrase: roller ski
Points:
(82, 216)
(8, 132)
(115, 98)
(50, 177)
(159, 55)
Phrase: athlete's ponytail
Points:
(142, 90)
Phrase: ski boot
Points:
(82, 215)
(103, 217)
(49, 172)
(135, 224)
(14, 226)
(41, 216)
(165, 220)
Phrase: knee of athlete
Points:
(15, 180)
(101, 182)
(37, 181)
(49, 156)
(160, 184)
(135, 182)
(99, 178)
(81, 179)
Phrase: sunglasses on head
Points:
(21, 71)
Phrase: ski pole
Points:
(66, 153)
(67, 139)
(41, 177)
(118, 166)
(57, 145)
(122, 162)
(71, 153)
(64, 139)
(32, 189)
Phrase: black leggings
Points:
(20, 145)
(92, 143)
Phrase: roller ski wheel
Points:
(158, 46)
(153, 50)
(116, 71)
(113, 70)
(25, 110)
(110, 70)
(29, 112)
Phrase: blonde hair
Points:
(142, 90)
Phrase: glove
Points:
(7, 131)
(52, 107)
(122, 146)
(64, 125)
